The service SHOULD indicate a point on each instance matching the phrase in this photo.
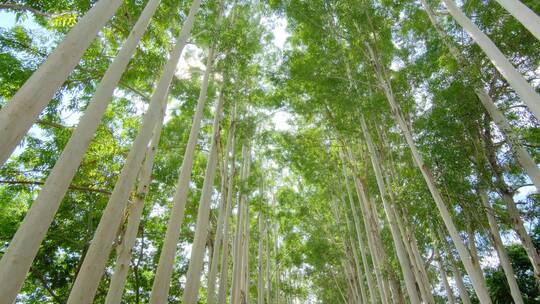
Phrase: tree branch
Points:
(23, 8)
(72, 187)
(45, 284)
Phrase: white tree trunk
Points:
(385, 271)
(124, 250)
(25, 244)
(91, 270)
(223, 278)
(373, 234)
(505, 67)
(522, 155)
(463, 294)
(260, 273)
(447, 288)
(244, 291)
(268, 278)
(501, 251)
(162, 280)
(224, 207)
(193, 277)
(353, 245)
(238, 241)
(476, 277)
(404, 262)
(523, 14)
(507, 196)
(22, 111)
(416, 259)
(369, 277)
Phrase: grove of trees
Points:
(281, 151)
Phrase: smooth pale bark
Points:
(245, 259)
(471, 236)
(25, 244)
(267, 268)
(260, 273)
(523, 14)
(525, 91)
(22, 111)
(276, 249)
(90, 273)
(403, 259)
(352, 242)
(477, 278)
(124, 250)
(501, 251)
(369, 277)
(373, 235)
(162, 280)
(507, 196)
(520, 152)
(223, 278)
(193, 277)
(447, 288)
(96, 257)
(391, 287)
(224, 208)
(408, 237)
(522, 155)
(363, 296)
(463, 293)
(238, 241)
(417, 261)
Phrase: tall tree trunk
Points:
(244, 290)
(267, 268)
(417, 267)
(224, 207)
(162, 280)
(463, 293)
(499, 247)
(411, 247)
(476, 277)
(521, 154)
(508, 198)
(525, 91)
(22, 111)
(523, 14)
(371, 285)
(124, 250)
(193, 277)
(25, 244)
(87, 281)
(223, 278)
(404, 262)
(447, 288)
(260, 273)
(392, 288)
(238, 243)
(353, 245)
(371, 219)
(471, 235)
(276, 251)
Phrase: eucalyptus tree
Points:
(23, 109)
(87, 281)
(43, 210)
(420, 117)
